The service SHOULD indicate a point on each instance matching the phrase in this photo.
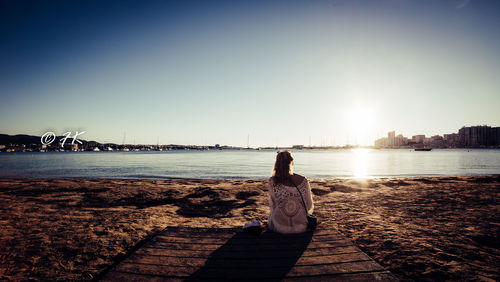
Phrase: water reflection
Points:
(360, 162)
(316, 164)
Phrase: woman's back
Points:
(287, 209)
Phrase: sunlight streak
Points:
(360, 162)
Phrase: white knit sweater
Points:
(287, 211)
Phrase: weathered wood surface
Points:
(192, 254)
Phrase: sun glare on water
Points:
(360, 162)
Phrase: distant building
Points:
(381, 143)
(451, 140)
(436, 141)
(391, 138)
(481, 136)
(478, 136)
(418, 138)
(399, 141)
(496, 134)
(391, 141)
(417, 141)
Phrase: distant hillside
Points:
(6, 139)
(19, 139)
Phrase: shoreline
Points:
(445, 227)
(332, 178)
(249, 149)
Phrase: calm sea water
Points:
(243, 164)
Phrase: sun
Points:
(359, 120)
(360, 124)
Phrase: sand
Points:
(444, 228)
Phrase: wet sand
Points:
(444, 228)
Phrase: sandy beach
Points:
(443, 228)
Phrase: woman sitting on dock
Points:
(288, 214)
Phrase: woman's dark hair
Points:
(282, 171)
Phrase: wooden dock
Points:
(192, 254)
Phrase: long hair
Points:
(282, 171)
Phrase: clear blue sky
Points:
(285, 72)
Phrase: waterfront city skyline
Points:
(264, 73)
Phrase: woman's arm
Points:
(271, 200)
(308, 199)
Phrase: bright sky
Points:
(283, 72)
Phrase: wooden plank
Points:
(349, 277)
(240, 248)
(243, 241)
(252, 254)
(134, 277)
(250, 272)
(229, 232)
(217, 253)
(346, 277)
(246, 262)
